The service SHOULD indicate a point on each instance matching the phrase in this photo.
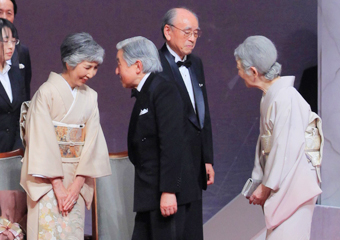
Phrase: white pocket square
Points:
(200, 84)
(143, 111)
(21, 66)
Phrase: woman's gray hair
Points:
(142, 49)
(259, 52)
(79, 47)
(170, 16)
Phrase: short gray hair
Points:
(170, 16)
(259, 52)
(79, 47)
(142, 49)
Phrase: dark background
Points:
(290, 24)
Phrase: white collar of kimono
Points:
(73, 91)
(141, 83)
(282, 82)
(173, 53)
(287, 81)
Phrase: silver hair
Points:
(79, 47)
(259, 52)
(142, 49)
(170, 16)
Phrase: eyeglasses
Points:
(188, 33)
(11, 41)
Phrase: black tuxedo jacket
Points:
(21, 55)
(155, 141)
(198, 148)
(10, 112)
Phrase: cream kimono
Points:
(45, 158)
(286, 170)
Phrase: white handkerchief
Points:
(143, 111)
(21, 66)
(200, 84)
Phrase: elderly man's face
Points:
(7, 10)
(128, 75)
(176, 39)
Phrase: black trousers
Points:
(186, 224)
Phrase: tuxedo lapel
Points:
(141, 103)
(178, 78)
(199, 100)
(174, 68)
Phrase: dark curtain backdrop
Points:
(290, 24)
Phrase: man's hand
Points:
(210, 172)
(168, 204)
(73, 193)
(260, 195)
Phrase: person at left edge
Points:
(65, 145)
(12, 89)
(155, 139)
(21, 55)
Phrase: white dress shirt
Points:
(185, 75)
(4, 79)
(141, 83)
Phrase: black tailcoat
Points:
(155, 142)
(198, 148)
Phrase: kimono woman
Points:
(65, 145)
(290, 183)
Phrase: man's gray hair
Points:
(142, 49)
(170, 16)
(79, 47)
(259, 52)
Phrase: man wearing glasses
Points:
(180, 30)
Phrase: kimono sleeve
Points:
(43, 150)
(94, 160)
(257, 172)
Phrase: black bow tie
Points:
(186, 63)
(134, 92)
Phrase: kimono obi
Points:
(313, 143)
(71, 139)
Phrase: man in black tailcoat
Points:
(155, 141)
(180, 30)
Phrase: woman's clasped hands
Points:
(67, 198)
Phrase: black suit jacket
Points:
(198, 148)
(22, 55)
(155, 141)
(10, 112)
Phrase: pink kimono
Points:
(286, 170)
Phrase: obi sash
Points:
(314, 141)
(71, 139)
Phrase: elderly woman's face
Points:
(84, 71)
(244, 75)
